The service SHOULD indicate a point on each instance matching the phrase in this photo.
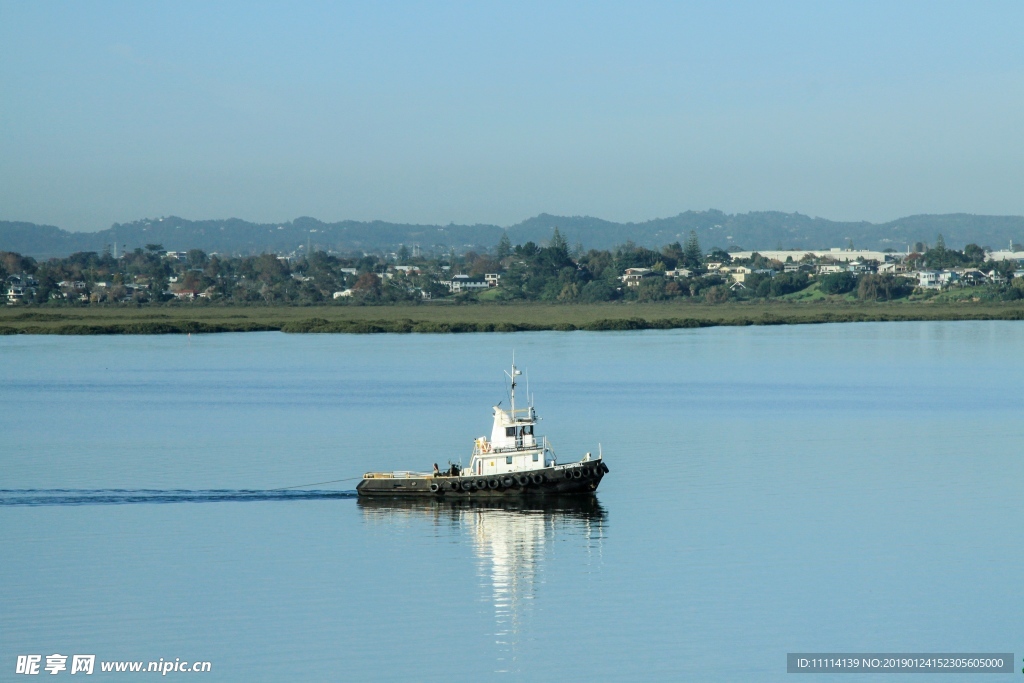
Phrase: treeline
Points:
(553, 272)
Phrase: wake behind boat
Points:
(515, 461)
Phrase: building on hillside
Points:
(928, 279)
(634, 276)
(835, 253)
(679, 273)
(465, 283)
(20, 288)
(973, 277)
(858, 267)
(740, 273)
(893, 268)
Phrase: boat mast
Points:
(515, 373)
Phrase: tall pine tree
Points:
(692, 257)
(504, 246)
(559, 243)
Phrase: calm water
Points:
(814, 488)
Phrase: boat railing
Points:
(404, 474)
(540, 443)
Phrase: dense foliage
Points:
(551, 272)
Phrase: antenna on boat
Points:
(512, 376)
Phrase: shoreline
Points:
(478, 318)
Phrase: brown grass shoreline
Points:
(442, 318)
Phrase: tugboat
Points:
(514, 462)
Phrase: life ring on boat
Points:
(487, 447)
(493, 483)
(453, 485)
(567, 474)
(467, 485)
(435, 487)
(522, 480)
(577, 474)
(507, 482)
(480, 484)
(537, 478)
(587, 472)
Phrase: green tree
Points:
(974, 254)
(838, 283)
(672, 254)
(368, 285)
(196, 258)
(718, 294)
(719, 255)
(596, 291)
(692, 257)
(874, 287)
(788, 283)
(941, 257)
(559, 244)
(504, 247)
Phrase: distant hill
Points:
(755, 230)
(777, 230)
(235, 236)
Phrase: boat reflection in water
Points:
(511, 538)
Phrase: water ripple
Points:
(38, 497)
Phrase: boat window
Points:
(535, 457)
(510, 431)
(508, 459)
(528, 431)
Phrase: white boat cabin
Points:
(514, 445)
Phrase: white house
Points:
(928, 279)
(464, 283)
(634, 276)
(740, 273)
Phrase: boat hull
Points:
(581, 477)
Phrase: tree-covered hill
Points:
(755, 230)
(777, 230)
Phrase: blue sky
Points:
(487, 112)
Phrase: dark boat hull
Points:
(561, 480)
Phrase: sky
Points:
(484, 112)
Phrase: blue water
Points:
(774, 489)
